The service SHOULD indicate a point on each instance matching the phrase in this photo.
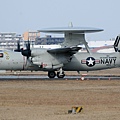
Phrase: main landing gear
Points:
(52, 74)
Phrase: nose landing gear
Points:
(60, 74)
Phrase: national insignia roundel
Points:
(90, 61)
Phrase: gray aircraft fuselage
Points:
(96, 61)
(10, 60)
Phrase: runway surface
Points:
(38, 77)
(51, 99)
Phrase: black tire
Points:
(51, 74)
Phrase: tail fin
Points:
(117, 44)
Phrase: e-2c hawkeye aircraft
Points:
(66, 58)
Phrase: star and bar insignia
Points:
(90, 61)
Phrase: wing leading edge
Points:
(68, 50)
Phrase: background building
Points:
(48, 40)
(8, 40)
(31, 36)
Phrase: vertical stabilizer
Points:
(117, 44)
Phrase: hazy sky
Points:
(22, 15)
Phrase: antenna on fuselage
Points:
(70, 25)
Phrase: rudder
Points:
(117, 44)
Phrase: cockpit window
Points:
(1, 55)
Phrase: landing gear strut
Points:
(60, 75)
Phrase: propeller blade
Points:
(18, 47)
(28, 45)
(27, 51)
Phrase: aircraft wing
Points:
(68, 50)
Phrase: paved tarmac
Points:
(42, 77)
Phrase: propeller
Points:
(18, 47)
(26, 52)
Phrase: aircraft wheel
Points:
(51, 74)
(60, 76)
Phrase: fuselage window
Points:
(1, 55)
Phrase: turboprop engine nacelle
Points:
(45, 63)
(38, 51)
